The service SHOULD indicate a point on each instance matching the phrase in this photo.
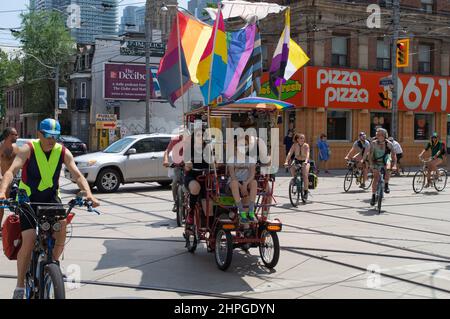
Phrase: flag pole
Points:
(179, 63)
(212, 53)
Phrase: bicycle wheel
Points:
(348, 179)
(369, 180)
(224, 249)
(419, 181)
(181, 210)
(294, 193)
(380, 196)
(53, 283)
(270, 249)
(440, 180)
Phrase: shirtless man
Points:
(301, 150)
(8, 151)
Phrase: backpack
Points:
(12, 237)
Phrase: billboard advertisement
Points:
(125, 81)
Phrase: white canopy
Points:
(246, 10)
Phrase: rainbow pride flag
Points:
(213, 64)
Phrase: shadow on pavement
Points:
(369, 212)
(168, 264)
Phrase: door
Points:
(161, 144)
(143, 165)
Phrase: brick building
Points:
(338, 92)
(14, 107)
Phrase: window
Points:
(161, 144)
(117, 111)
(383, 56)
(379, 119)
(425, 58)
(83, 90)
(423, 126)
(339, 51)
(144, 146)
(427, 5)
(338, 125)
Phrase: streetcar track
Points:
(149, 287)
(296, 251)
(368, 222)
(368, 241)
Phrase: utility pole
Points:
(396, 23)
(56, 91)
(148, 41)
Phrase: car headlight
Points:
(87, 164)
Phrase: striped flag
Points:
(240, 48)
(250, 81)
(287, 58)
(213, 63)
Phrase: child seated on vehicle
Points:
(242, 182)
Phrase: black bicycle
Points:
(296, 187)
(379, 195)
(357, 174)
(44, 279)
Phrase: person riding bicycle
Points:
(242, 182)
(437, 155)
(360, 152)
(194, 164)
(398, 152)
(41, 161)
(381, 155)
(174, 151)
(301, 150)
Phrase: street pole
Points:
(396, 23)
(148, 40)
(56, 91)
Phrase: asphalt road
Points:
(335, 246)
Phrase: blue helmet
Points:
(50, 128)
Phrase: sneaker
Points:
(372, 201)
(363, 185)
(386, 189)
(19, 293)
(305, 195)
(243, 217)
(174, 208)
(252, 217)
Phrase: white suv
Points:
(137, 158)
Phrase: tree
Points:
(10, 73)
(45, 38)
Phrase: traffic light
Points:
(402, 53)
(385, 101)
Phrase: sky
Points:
(10, 18)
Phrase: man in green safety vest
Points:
(41, 161)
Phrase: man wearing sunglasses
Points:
(41, 161)
(8, 151)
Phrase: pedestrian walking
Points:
(324, 153)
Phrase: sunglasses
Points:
(48, 135)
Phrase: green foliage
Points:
(44, 38)
(10, 73)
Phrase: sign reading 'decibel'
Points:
(124, 81)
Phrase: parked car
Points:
(22, 141)
(73, 144)
(136, 158)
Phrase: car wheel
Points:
(165, 184)
(108, 181)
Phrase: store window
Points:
(425, 58)
(383, 56)
(339, 49)
(379, 119)
(338, 125)
(423, 126)
(83, 90)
